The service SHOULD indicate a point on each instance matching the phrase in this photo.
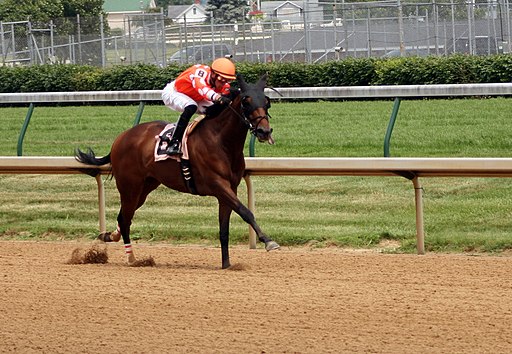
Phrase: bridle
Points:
(247, 120)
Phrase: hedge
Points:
(455, 69)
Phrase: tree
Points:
(91, 8)
(39, 10)
(89, 11)
(46, 10)
(63, 14)
(226, 11)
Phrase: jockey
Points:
(195, 89)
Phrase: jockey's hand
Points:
(223, 100)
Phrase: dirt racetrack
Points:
(295, 300)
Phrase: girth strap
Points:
(186, 173)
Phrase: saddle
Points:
(164, 137)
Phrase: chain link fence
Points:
(346, 30)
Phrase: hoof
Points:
(104, 236)
(109, 236)
(271, 245)
(226, 266)
(130, 259)
(115, 236)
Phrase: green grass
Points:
(461, 214)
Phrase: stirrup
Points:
(174, 148)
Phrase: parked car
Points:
(201, 53)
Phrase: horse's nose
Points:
(264, 134)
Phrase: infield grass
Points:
(461, 214)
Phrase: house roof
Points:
(286, 3)
(177, 11)
(272, 7)
(127, 5)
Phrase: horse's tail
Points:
(89, 158)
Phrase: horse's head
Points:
(254, 106)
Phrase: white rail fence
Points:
(58, 165)
(410, 168)
(288, 93)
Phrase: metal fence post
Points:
(79, 37)
(4, 51)
(391, 124)
(24, 129)
(102, 36)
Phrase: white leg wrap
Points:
(130, 257)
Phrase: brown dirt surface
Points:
(295, 300)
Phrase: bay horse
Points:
(217, 163)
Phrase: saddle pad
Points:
(161, 145)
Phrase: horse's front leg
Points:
(229, 198)
(249, 218)
(224, 217)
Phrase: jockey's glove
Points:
(223, 100)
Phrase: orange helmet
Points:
(224, 67)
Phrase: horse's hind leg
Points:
(124, 221)
(132, 199)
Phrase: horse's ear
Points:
(262, 82)
(241, 82)
(268, 101)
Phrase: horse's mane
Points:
(215, 109)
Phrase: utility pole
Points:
(401, 28)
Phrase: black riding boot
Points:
(175, 144)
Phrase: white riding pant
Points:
(177, 101)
